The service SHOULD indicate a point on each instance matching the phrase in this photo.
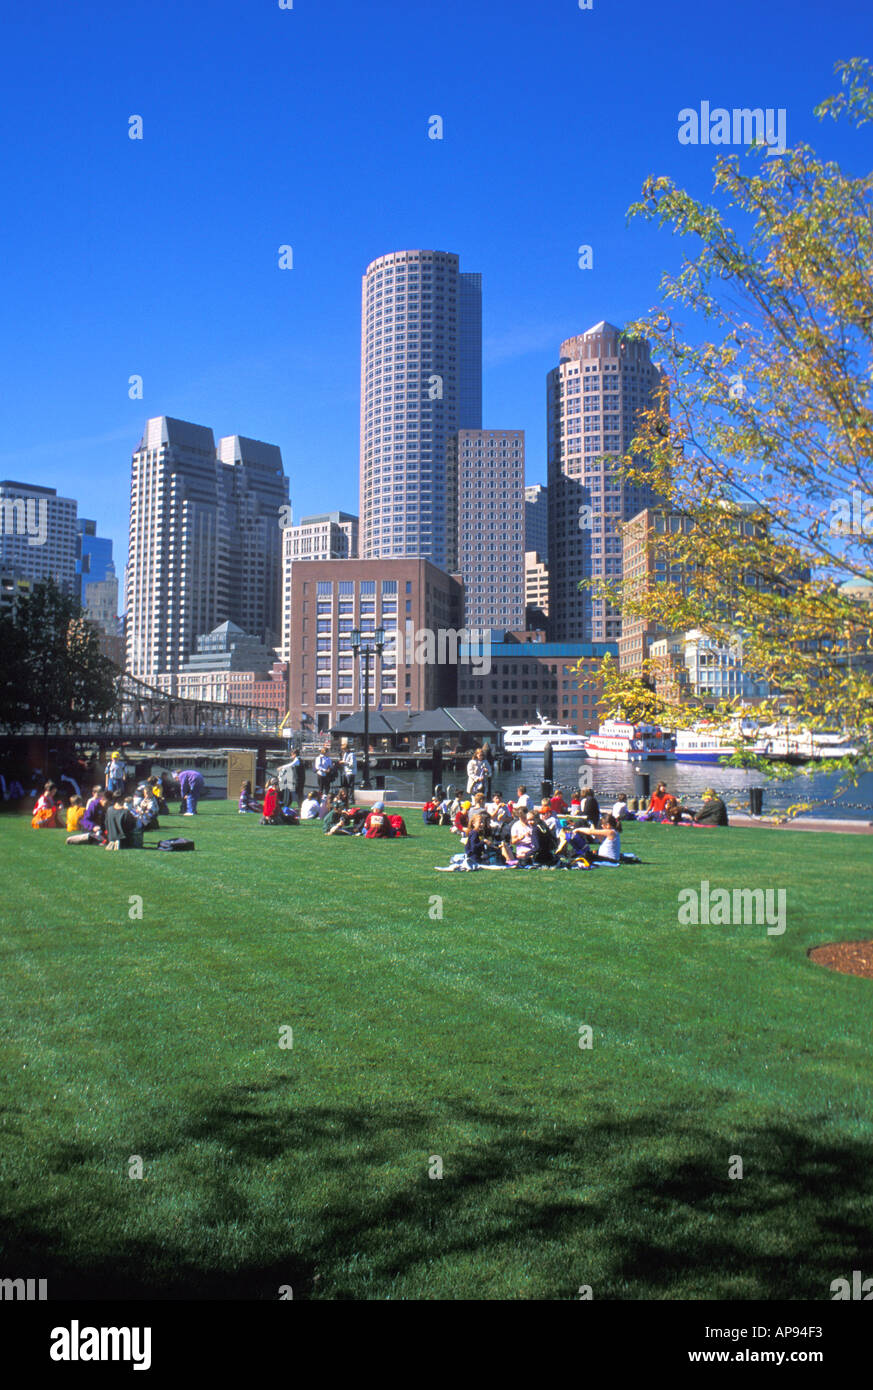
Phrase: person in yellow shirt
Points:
(75, 812)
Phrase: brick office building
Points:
(331, 598)
(530, 676)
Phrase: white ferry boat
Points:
(703, 743)
(803, 745)
(532, 738)
(619, 741)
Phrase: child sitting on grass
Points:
(247, 803)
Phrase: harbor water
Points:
(686, 780)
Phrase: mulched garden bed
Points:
(849, 957)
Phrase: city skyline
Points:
(116, 272)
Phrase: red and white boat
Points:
(618, 741)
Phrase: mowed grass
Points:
(417, 1037)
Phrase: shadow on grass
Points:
(644, 1199)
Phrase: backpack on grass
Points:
(178, 843)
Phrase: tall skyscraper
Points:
(536, 590)
(255, 490)
(93, 558)
(536, 520)
(205, 541)
(421, 381)
(97, 587)
(37, 536)
(489, 466)
(594, 396)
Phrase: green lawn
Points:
(416, 1037)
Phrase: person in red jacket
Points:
(271, 804)
(658, 802)
(377, 825)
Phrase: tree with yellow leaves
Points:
(763, 438)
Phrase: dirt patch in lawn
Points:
(849, 957)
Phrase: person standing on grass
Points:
(113, 775)
(349, 760)
(324, 771)
(475, 773)
(191, 788)
(299, 774)
(487, 758)
(285, 778)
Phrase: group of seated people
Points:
(498, 837)
(665, 807)
(114, 821)
(375, 824)
(336, 811)
(582, 807)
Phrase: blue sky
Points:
(308, 127)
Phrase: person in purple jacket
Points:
(191, 788)
(95, 812)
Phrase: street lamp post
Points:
(365, 650)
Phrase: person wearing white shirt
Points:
(310, 808)
(323, 770)
(522, 801)
(498, 809)
(609, 852)
(475, 773)
(350, 770)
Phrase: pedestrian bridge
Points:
(142, 712)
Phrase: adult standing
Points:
(475, 773)
(324, 771)
(113, 775)
(292, 776)
(285, 778)
(299, 770)
(349, 759)
(487, 759)
(191, 788)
